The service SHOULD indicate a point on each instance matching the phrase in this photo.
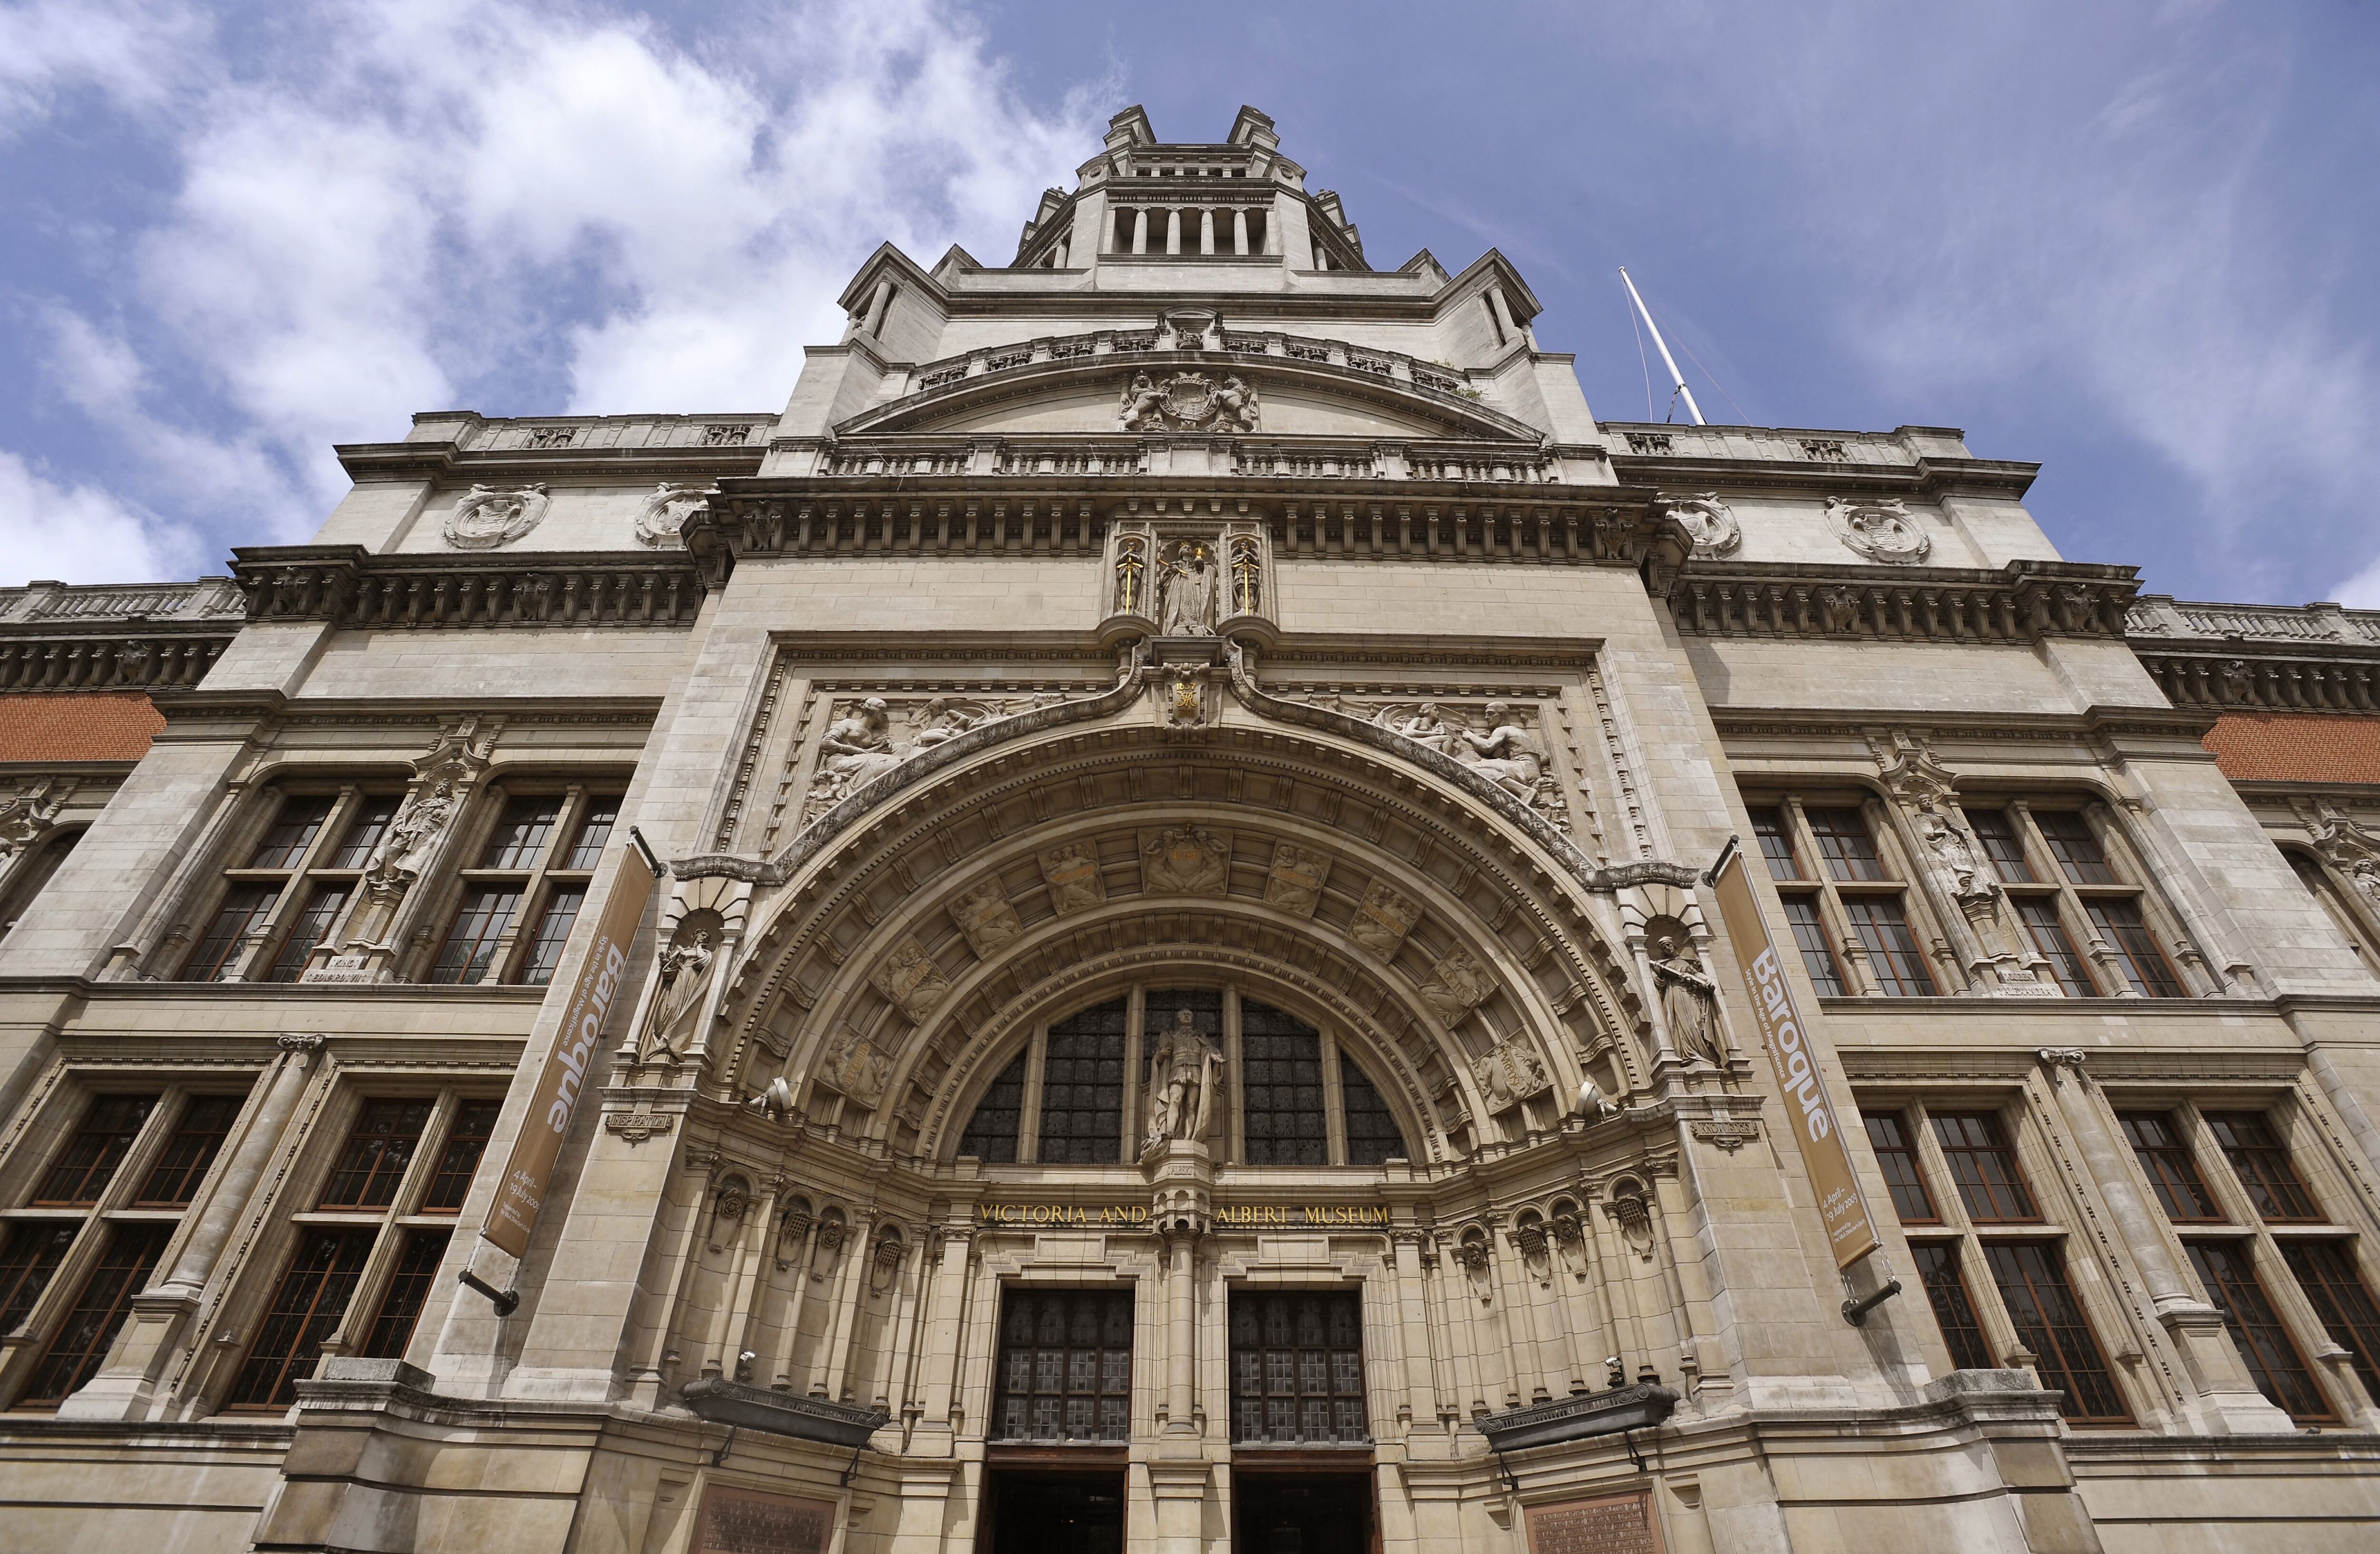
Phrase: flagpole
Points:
(1677, 379)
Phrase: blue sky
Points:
(2135, 243)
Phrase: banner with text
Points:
(1816, 1124)
(514, 1213)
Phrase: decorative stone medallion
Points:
(664, 514)
(486, 520)
(1709, 520)
(1880, 529)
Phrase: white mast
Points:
(1677, 379)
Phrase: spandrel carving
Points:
(1498, 741)
(870, 736)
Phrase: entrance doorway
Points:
(1053, 1514)
(1302, 1512)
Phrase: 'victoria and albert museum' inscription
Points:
(1228, 1217)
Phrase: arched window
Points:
(1079, 1094)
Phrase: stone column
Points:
(2232, 1403)
(1207, 231)
(1503, 311)
(792, 1334)
(752, 1251)
(834, 1359)
(1421, 1380)
(1239, 231)
(1173, 231)
(877, 302)
(159, 1313)
(932, 1436)
(1140, 230)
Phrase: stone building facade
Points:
(1184, 1004)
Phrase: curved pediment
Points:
(1223, 392)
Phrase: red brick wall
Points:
(73, 726)
(2296, 747)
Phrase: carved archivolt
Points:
(486, 519)
(1879, 528)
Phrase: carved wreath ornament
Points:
(487, 518)
(1880, 529)
(1709, 520)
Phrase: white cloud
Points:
(132, 51)
(2361, 591)
(397, 207)
(76, 534)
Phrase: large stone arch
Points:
(814, 998)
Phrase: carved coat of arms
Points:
(1188, 402)
(1185, 860)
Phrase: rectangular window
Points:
(594, 832)
(81, 1344)
(520, 833)
(243, 908)
(1810, 935)
(291, 833)
(1297, 1368)
(1896, 1156)
(87, 1163)
(1984, 1167)
(312, 926)
(1372, 1131)
(1065, 1366)
(1082, 1087)
(305, 1310)
(199, 1137)
(1954, 1312)
(2273, 1361)
(1775, 843)
(459, 1161)
(479, 922)
(991, 1133)
(2137, 953)
(408, 1290)
(2164, 1160)
(365, 830)
(2050, 1322)
(1281, 1088)
(382, 1146)
(27, 1263)
(1846, 844)
(2263, 1164)
(2049, 937)
(553, 925)
(2001, 846)
(2326, 1272)
(2075, 846)
(1892, 955)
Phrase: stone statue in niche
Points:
(1072, 875)
(1382, 921)
(1954, 853)
(1879, 528)
(911, 982)
(1688, 1001)
(677, 999)
(1295, 882)
(1458, 984)
(1188, 402)
(406, 846)
(984, 915)
(1131, 576)
(1183, 1068)
(1188, 575)
(853, 1066)
(1709, 520)
(664, 514)
(487, 518)
(1185, 860)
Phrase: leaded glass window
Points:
(1082, 1087)
(1281, 1088)
(1297, 1368)
(1372, 1131)
(1065, 1366)
(990, 1133)
(2049, 1321)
